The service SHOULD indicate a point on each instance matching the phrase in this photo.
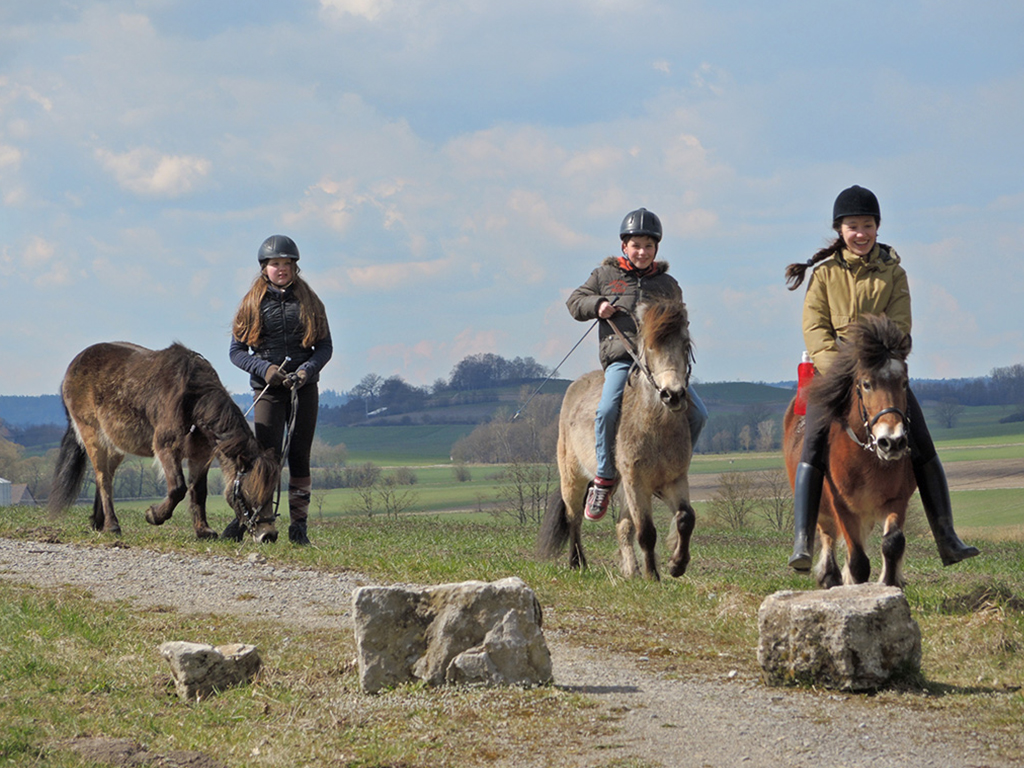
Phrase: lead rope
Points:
(287, 444)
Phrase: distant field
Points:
(428, 444)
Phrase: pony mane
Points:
(662, 320)
(871, 343)
(204, 400)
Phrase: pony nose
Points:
(893, 445)
(674, 399)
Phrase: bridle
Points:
(249, 515)
(871, 444)
(639, 361)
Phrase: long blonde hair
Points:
(248, 324)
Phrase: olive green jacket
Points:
(845, 286)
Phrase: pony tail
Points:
(796, 272)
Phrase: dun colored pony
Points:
(652, 449)
(869, 478)
(121, 398)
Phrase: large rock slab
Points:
(200, 669)
(849, 638)
(472, 633)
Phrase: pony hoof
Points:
(206, 533)
(265, 535)
(677, 568)
(152, 519)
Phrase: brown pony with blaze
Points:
(870, 478)
(121, 398)
(652, 448)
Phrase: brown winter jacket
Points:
(627, 288)
(845, 286)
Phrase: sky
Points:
(452, 169)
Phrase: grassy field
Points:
(74, 666)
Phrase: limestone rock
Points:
(473, 633)
(849, 638)
(200, 669)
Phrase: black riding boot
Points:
(934, 490)
(807, 487)
(298, 509)
(234, 531)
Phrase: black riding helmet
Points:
(278, 247)
(640, 222)
(855, 201)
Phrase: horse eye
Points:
(866, 384)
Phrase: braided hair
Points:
(795, 272)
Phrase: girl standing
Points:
(854, 276)
(281, 338)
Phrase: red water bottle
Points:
(804, 374)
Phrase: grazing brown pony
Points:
(121, 398)
(870, 478)
(652, 447)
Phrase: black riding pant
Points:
(272, 414)
(816, 429)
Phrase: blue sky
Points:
(452, 170)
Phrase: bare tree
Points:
(393, 498)
(949, 412)
(766, 435)
(735, 500)
(319, 498)
(383, 493)
(775, 502)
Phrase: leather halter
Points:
(870, 421)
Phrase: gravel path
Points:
(693, 722)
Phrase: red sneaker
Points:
(598, 497)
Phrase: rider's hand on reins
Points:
(606, 309)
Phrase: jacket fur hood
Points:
(659, 267)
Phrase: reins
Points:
(638, 361)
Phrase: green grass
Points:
(72, 665)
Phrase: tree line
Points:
(468, 382)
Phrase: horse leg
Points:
(636, 523)
(647, 538)
(858, 566)
(104, 463)
(894, 544)
(158, 514)
(625, 532)
(826, 571)
(198, 491)
(685, 520)
(573, 497)
(199, 454)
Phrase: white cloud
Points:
(391, 276)
(10, 157)
(147, 172)
(367, 9)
